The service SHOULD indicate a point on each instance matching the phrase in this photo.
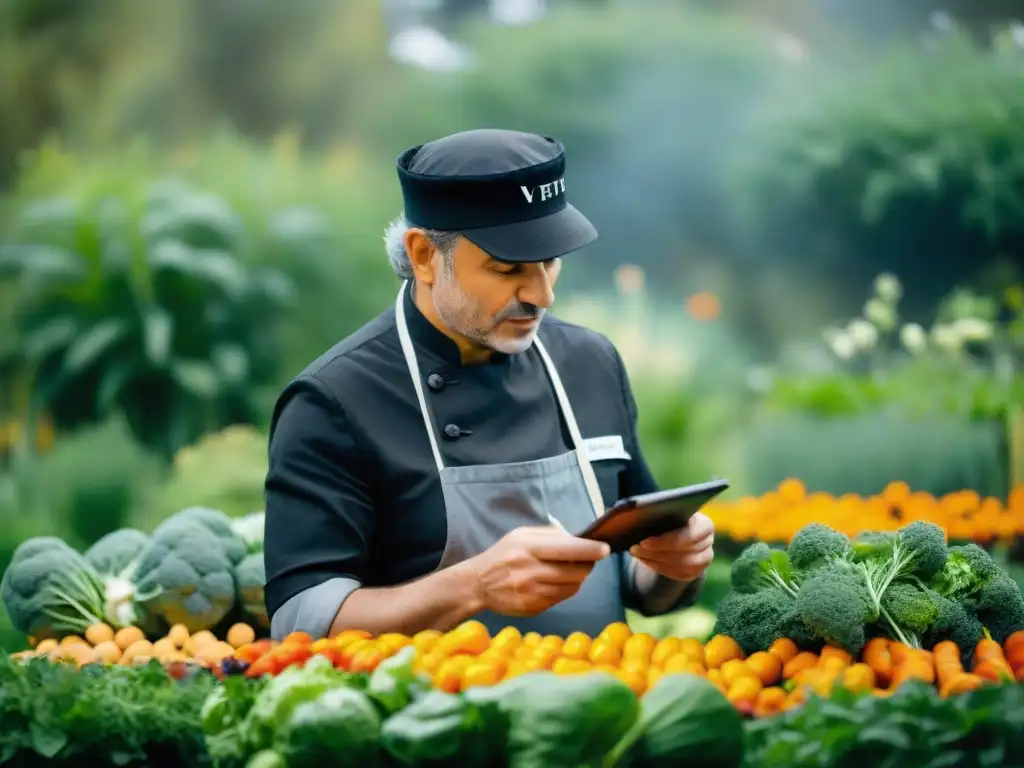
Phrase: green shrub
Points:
(225, 470)
(168, 289)
(861, 454)
(86, 487)
(913, 163)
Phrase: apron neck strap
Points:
(414, 370)
(583, 456)
(409, 351)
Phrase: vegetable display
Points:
(316, 715)
(199, 568)
(905, 585)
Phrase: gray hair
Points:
(394, 243)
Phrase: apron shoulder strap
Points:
(593, 489)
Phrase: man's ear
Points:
(421, 255)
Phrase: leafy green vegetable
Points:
(394, 684)
(57, 715)
(683, 719)
(283, 695)
(914, 726)
(339, 727)
(441, 729)
(565, 722)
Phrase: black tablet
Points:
(632, 520)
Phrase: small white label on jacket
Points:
(607, 447)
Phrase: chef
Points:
(433, 466)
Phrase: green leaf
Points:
(114, 380)
(47, 742)
(50, 337)
(197, 377)
(217, 269)
(93, 344)
(40, 262)
(158, 330)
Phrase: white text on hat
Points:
(547, 191)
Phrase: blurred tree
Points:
(913, 163)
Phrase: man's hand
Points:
(681, 555)
(531, 569)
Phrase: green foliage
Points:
(87, 487)
(862, 454)
(920, 151)
(914, 726)
(57, 715)
(136, 300)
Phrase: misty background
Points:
(811, 217)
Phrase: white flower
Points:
(946, 337)
(880, 314)
(862, 333)
(629, 278)
(888, 288)
(842, 346)
(973, 328)
(913, 337)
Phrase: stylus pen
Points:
(554, 521)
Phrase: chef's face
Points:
(491, 304)
(494, 304)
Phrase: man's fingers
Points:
(562, 573)
(569, 549)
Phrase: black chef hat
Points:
(505, 191)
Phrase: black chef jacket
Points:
(353, 490)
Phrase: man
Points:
(432, 467)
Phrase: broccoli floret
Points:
(250, 575)
(911, 608)
(835, 604)
(967, 569)
(185, 576)
(218, 523)
(1000, 607)
(759, 566)
(816, 544)
(756, 620)
(926, 543)
(955, 623)
(116, 553)
(49, 589)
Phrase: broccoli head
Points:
(1000, 607)
(967, 569)
(816, 544)
(49, 589)
(756, 620)
(250, 576)
(115, 553)
(926, 543)
(759, 566)
(955, 623)
(218, 523)
(186, 576)
(835, 604)
(910, 607)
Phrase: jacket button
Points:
(435, 381)
(452, 431)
